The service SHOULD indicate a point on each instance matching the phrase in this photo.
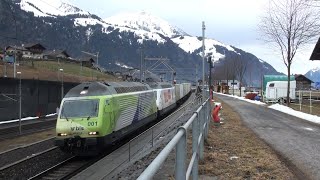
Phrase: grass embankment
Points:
(233, 151)
(49, 70)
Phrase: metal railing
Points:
(153, 135)
(307, 101)
(200, 128)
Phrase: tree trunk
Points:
(288, 90)
(240, 87)
(233, 87)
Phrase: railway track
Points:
(27, 158)
(61, 167)
(12, 130)
(63, 170)
(23, 151)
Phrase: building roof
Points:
(20, 48)
(86, 59)
(32, 45)
(316, 51)
(302, 77)
(56, 53)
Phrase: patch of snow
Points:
(234, 157)
(50, 8)
(89, 33)
(309, 129)
(144, 21)
(123, 65)
(88, 21)
(288, 110)
(243, 99)
(261, 60)
(140, 34)
(189, 44)
(49, 115)
(17, 120)
(25, 119)
(315, 69)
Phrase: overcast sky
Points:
(232, 22)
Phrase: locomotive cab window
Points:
(80, 108)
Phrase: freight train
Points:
(94, 115)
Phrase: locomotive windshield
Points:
(80, 108)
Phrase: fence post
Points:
(310, 104)
(129, 151)
(195, 136)
(152, 137)
(208, 118)
(202, 120)
(181, 155)
(300, 99)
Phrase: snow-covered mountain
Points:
(145, 21)
(190, 44)
(59, 25)
(146, 25)
(314, 74)
(51, 8)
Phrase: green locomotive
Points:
(95, 114)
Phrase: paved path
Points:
(297, 140)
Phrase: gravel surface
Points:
(34, 165)
(23, 152)
(296, 140)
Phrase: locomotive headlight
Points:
(93, 133)
(62, 134)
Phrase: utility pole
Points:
(203, 58)
(210, 66)
(19, 101)
(141, 64)
(196, 74)
(94, 55)
(62, 88)
(14, 62)
(98, 59)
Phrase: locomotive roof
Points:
(105, 88)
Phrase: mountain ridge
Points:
(85, 31)
(314, 74)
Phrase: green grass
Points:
(68, 68)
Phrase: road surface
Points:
(296, 140)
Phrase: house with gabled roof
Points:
(302, 82)
(56, 54)
(316, 51)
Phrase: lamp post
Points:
(19, 73)
(210, 76)
(62, 89)
(203, 58)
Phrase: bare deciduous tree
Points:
(290, 24)
(241, 68)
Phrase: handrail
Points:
(200, 124)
